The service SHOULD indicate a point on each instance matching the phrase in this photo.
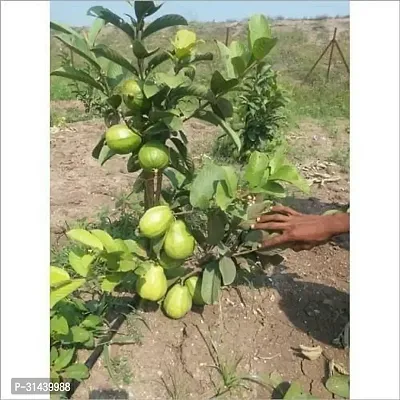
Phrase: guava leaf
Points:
(227, 269)
(59, 325)
(80, 47)
(203, 188)
(64, 290)
(94, 30)
(102, 50)
(172, 81)
(295, 392)
(215, 227)
(163, 22)
(176, 178)
(64, 358)
(81, 265)
(231, 180)
(136, 248)
(64, 29)
(79, 334)
(192, 90)
(184, 152)
(53, 354)
(126, 265)
(223, 108)
(140, 51)
(113, 19)
(260, 36)
(97, 149)
(78, 372)
(144, 9)
(239, 57)
(105, 154)
(77, 75)
(278, 160)
(221, 85)
(256, 166)
(157, 60)
(211, 283)
(150, 89)
(58, 275)
(85, 237)
(222, 197)
(226, 59)
(273, 188)
(105, 238)
(110, 282)
(290, 174)
(339, 385)
(91, 321)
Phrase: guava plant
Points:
(194, 233)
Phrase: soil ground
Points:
(303, 301)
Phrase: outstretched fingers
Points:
(284, 210)
(273, 218)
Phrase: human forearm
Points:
(338, 224)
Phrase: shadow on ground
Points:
(318, 310)
(108, 394)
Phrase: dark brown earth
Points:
(303, 301)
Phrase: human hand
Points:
(300, 231)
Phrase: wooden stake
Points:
(330, 55)
(227, 37)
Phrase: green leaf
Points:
(257, 164)
(239, 57)
(294, 392)
(226, 59)
(231, 180)
(172, 81)
(136, 248)
(142, 268)
(223, 108)
(91, 321)
(105, 154)
(81, 265)
(85, 237)
(272, 188)
(144, 9)
(106, 239)
(99, 146)
(79, 334)
(78, 372)
(278, 160)
(77, 75)
(94, 30)
(139, 183)
(227, 269)
(220, 85)
(184, 42)
(101, 50)
(64, 29)
(110, 282)
(211, 283)
(195, 90)
(157, 60)
(291, 175)
(339, 385)
(140, 51)
(53, 354)
(58, 275)
(176, 178)
(215, 227)
(126, 265)
(157, 245)
(80, 47)
(63, 291)
(90, 343)
(59, 325)
(184, 152)
(150, 89)
(214, 119)
(113, 19)
(65, 357)
(203, 188)
(222, 197)
(260, 36)
(163, 22)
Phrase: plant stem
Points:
(240, 253)
(148, 189)
(184, 212)
(159, 186)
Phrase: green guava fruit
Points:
(133, 96)
(179, 244)
(177, 302)
(153, 284)
(194, 285)
(122, 140)
(153, 155)
(155, 221)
